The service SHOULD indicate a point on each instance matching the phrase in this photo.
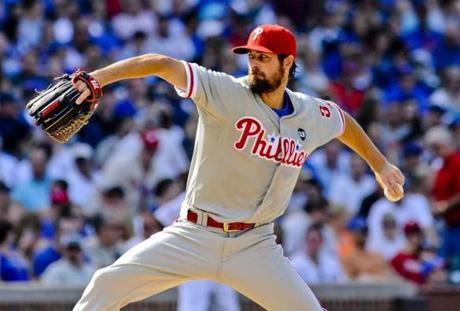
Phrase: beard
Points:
(259, 83)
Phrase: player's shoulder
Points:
(243, 81)
(307, 103)
(216, 74)
(308, 99)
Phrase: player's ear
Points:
(288, 62)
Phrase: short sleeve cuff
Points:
(190, 90)
(342, 118)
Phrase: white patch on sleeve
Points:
(190, 89)
(342, 118)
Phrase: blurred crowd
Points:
(66, 210)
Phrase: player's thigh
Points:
(182, 250)
(263, 274)
(115, 286)
(194, 296)
(173, 256)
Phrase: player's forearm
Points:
(355, 138)
(132, 68)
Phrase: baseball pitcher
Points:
(253, 138)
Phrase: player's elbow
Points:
(352, 132)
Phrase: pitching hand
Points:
(391, 180)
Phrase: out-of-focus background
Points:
(67, 210)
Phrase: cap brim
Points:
(244, 49)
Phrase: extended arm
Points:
(164, 67)
(388, 176)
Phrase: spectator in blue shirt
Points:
(34, 195)
(407, 88)
(423, 37)
(12, 266)
(448, 53)
(13, 130)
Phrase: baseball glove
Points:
(55, 110)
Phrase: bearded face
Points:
(262, 82)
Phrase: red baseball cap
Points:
(270, 38)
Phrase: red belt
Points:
(227, 227)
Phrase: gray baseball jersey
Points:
(247, 159)
(244, 168)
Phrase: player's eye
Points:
(263, 57)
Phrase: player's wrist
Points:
(100, 77)
(379, 165)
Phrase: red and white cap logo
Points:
(257, 32)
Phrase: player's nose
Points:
(255, 68)
(253, 63)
